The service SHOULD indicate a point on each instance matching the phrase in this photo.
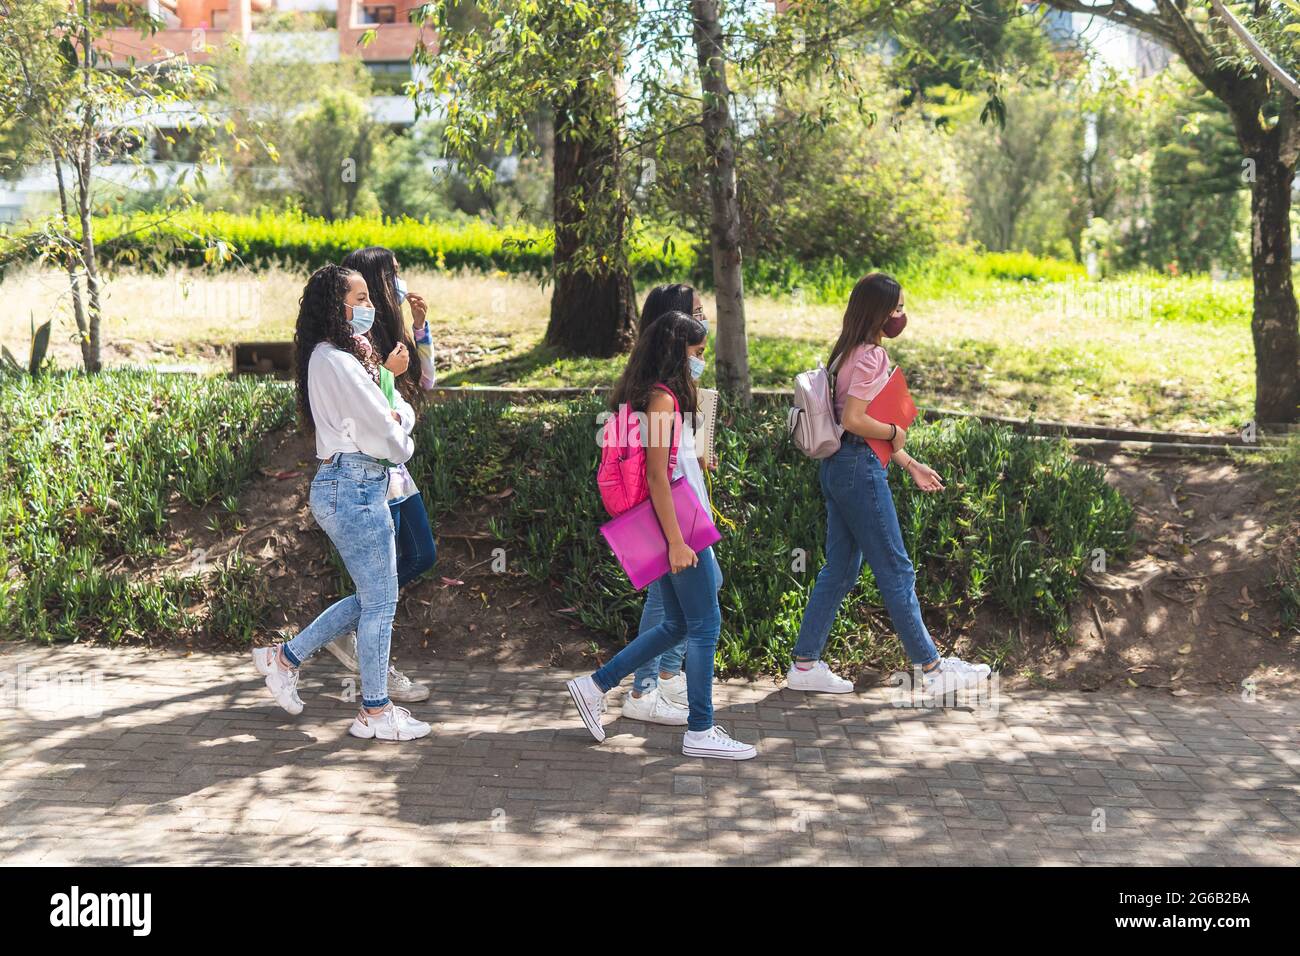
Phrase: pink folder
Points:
(894, 406)
(638, 540)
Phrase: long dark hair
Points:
(660, 356)
(666, 298)
(870, 303)
(322, 317)
(375, 263)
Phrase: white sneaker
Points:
(264, 658)
(401, 687)
(345, 649)
(654, 708)
(591, 704)
(819, 679)
(393, 723)
(716, 743)
(283, 684)
(673, 690)
(953, 674)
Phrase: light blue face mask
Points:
(400, 285)
(363, 317)
(696, 365)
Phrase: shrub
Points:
(1015, 527)
(216, 240)
(88, 469)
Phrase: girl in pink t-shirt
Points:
(861, 522)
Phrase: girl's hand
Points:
(419, 309)
(926, 478)
(899, 439)
(681, 557)
(709, 464)
(398, 359)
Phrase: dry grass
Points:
(1051, 350)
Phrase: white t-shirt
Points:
(688, 464)
(351, 412)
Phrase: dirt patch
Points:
(1194, 607)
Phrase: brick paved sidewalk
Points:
(189, 762)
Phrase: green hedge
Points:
(1014, 528)
(88, 469)
(198, 238)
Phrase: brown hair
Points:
(375, 264)
(870, 303)
(659, 355)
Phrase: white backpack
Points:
(813, 426)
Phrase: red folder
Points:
(893, 405)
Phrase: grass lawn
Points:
(1141, 351)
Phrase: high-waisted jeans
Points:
(348, 501)
(691, 614)
(861, 523)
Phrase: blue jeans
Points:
(670, 661)
(416, 552)
(861, 522)
(691, 614)
(348, 501)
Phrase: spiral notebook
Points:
(706, 430)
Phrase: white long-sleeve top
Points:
(351, 412)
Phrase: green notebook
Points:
(387, 385)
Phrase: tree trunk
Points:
(593, 304)
(85, 165)
(88, 357)
(731, 354)
(1274, 325)
(90, 349)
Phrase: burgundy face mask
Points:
(894, 325)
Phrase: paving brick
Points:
(188, 763)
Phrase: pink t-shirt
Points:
(860, 374)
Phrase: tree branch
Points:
(1284, 78)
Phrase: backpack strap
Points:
(831, 374)
(676, 436)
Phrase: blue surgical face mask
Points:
(363, 317)
(696, 365)
(400, 285)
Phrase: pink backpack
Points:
(812, 423)
(621, 476)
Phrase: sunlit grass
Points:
(1138, 351)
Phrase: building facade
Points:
(316, 30)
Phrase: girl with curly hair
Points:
(390, 343)
(359, 437)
